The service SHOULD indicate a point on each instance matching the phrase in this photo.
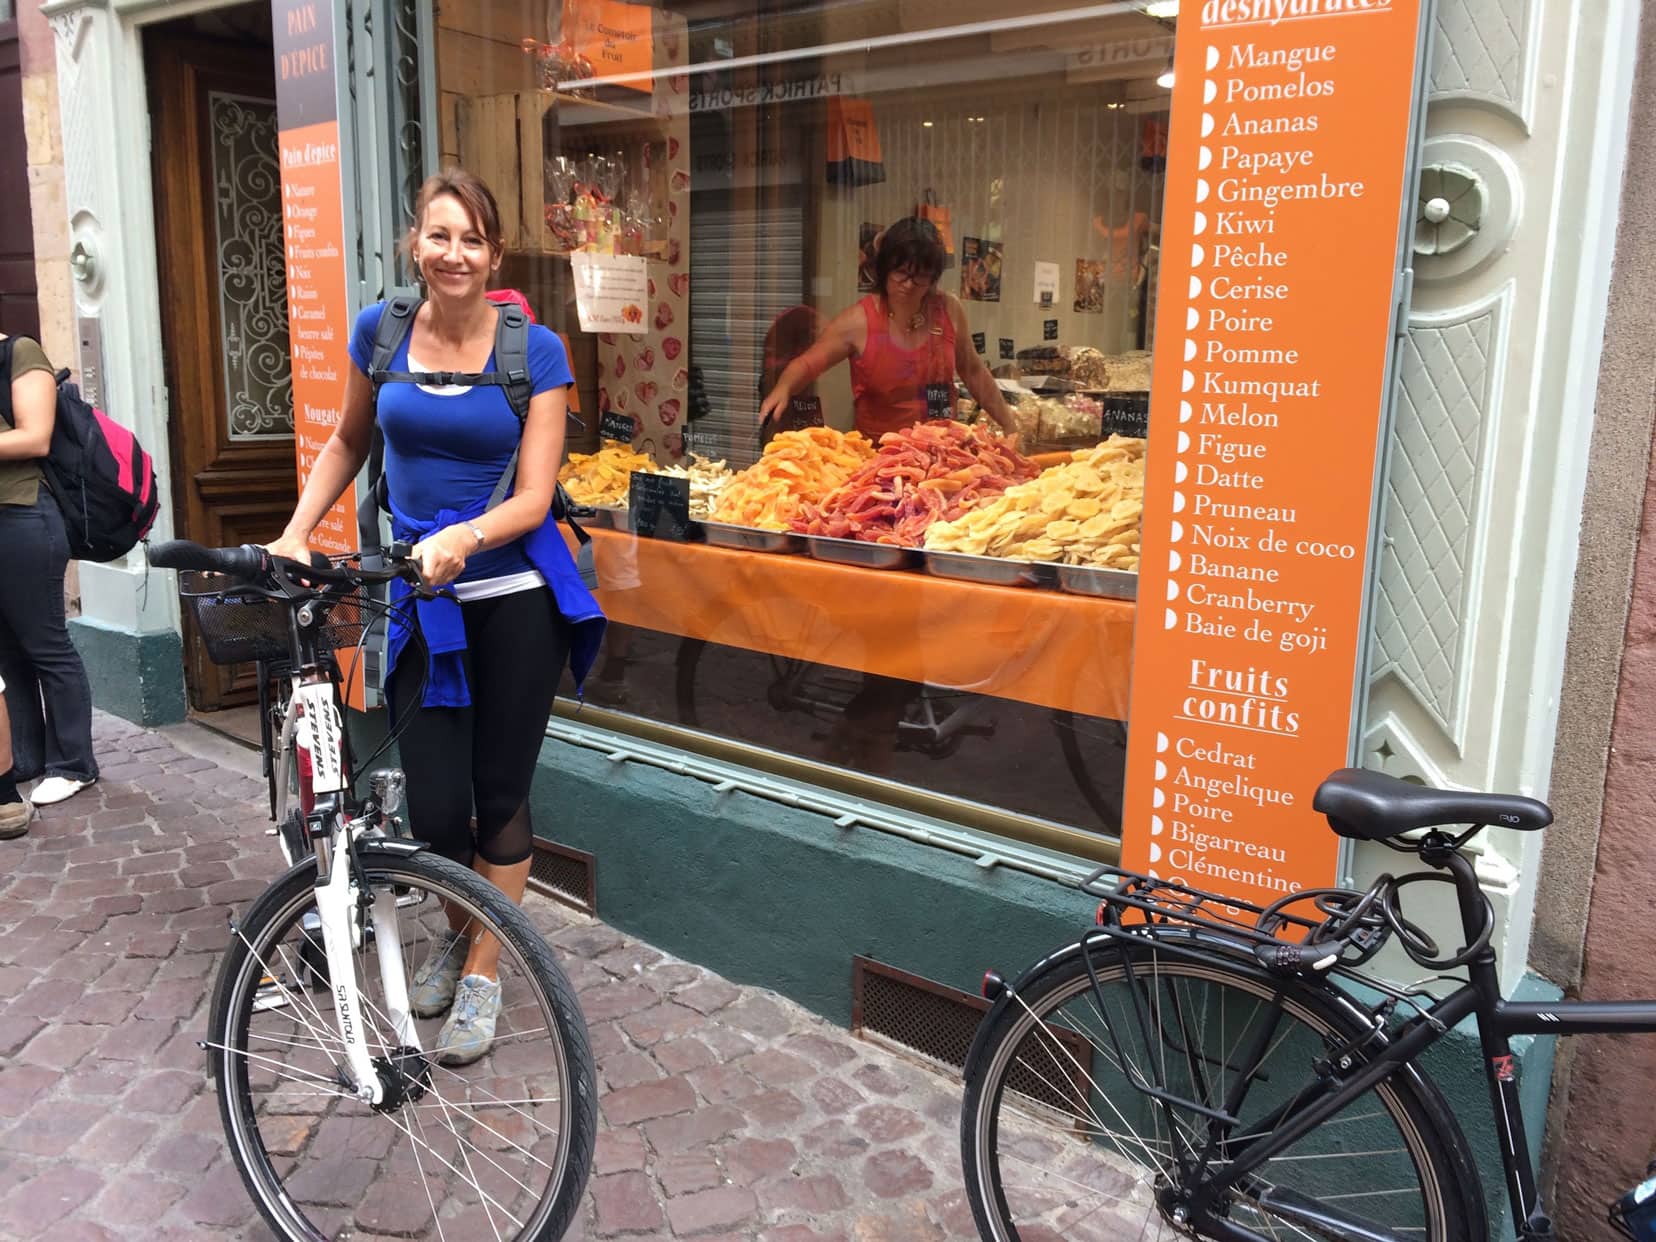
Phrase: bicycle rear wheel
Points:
(499, 1149)
(1058, 1143)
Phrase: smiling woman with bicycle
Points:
(470, 483)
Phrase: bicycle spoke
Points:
(1072, 1154)
(489, 1142)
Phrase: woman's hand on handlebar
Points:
(293, 547)
(442, 557)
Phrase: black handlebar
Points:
(252, 564)
(245, 563)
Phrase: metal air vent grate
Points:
(937, 1023)
(565, 875)
(932, 1020)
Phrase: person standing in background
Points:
(15, 810)
(906, 343)
(47, 694)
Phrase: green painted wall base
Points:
(136, 676)
(771, 895)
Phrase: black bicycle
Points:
(340, 1120)
(1196, 1066)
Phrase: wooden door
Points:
(224, 324)
(19, 310)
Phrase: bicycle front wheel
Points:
(497, 1149)
(1059, 1141)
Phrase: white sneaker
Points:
(56, 789)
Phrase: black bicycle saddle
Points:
(1371, 806)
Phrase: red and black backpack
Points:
(96, 470)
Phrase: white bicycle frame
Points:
(338, 895)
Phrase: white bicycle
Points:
(339, 1119)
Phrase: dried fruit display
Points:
(797, 468)
(707, 480)
(604, 477)
(1085, 511)
(936, 470)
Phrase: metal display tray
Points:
(856, 552)
(751, 538)
(614, 517)
(995, 570)
(1088, 580)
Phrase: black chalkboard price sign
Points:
(615, 426)
(1049, 329)
(802, 412)
(1008, 349)
(660, 506)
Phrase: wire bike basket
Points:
(238, 624)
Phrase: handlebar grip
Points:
(244, 563)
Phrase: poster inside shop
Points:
(1046, 283)
(612, 292)
(980, 269)
(1266, 416)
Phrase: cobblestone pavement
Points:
(727, 1112)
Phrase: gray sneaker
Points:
(434, 981)
(470, 1028)
(14, 818)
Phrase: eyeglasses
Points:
(904, 276)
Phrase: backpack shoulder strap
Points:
(512, 373)
(512, 357)
(396, 321)
(5, 375)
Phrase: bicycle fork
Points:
(340, 904)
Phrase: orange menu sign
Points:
(313, 235)
(616, 37)
(1286, 175)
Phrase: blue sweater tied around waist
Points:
(445, 629)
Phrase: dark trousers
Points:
(47, 693)
(482, 757)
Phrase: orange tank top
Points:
(888, 382)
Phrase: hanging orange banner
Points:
(617, 38)
(1287, 160)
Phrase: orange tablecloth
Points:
(1071, 652)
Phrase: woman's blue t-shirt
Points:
(448, 449)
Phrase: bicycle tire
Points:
(1110, 1196)
(279, 1110)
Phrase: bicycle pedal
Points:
(270, 995)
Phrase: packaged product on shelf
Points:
(1072, 416)
(1085, 511)
(603, 478)
(933, 470)
(797, 467)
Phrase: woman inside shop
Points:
(47, 693)
(907, 341)
(523, 614)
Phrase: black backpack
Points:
(511, 355)
(100, 476)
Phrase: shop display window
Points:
(921, 566)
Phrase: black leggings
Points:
(483, 756)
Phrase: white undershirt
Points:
(483, 588)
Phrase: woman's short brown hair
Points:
(910, 244)
(472, 194)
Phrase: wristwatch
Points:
(477, 534)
